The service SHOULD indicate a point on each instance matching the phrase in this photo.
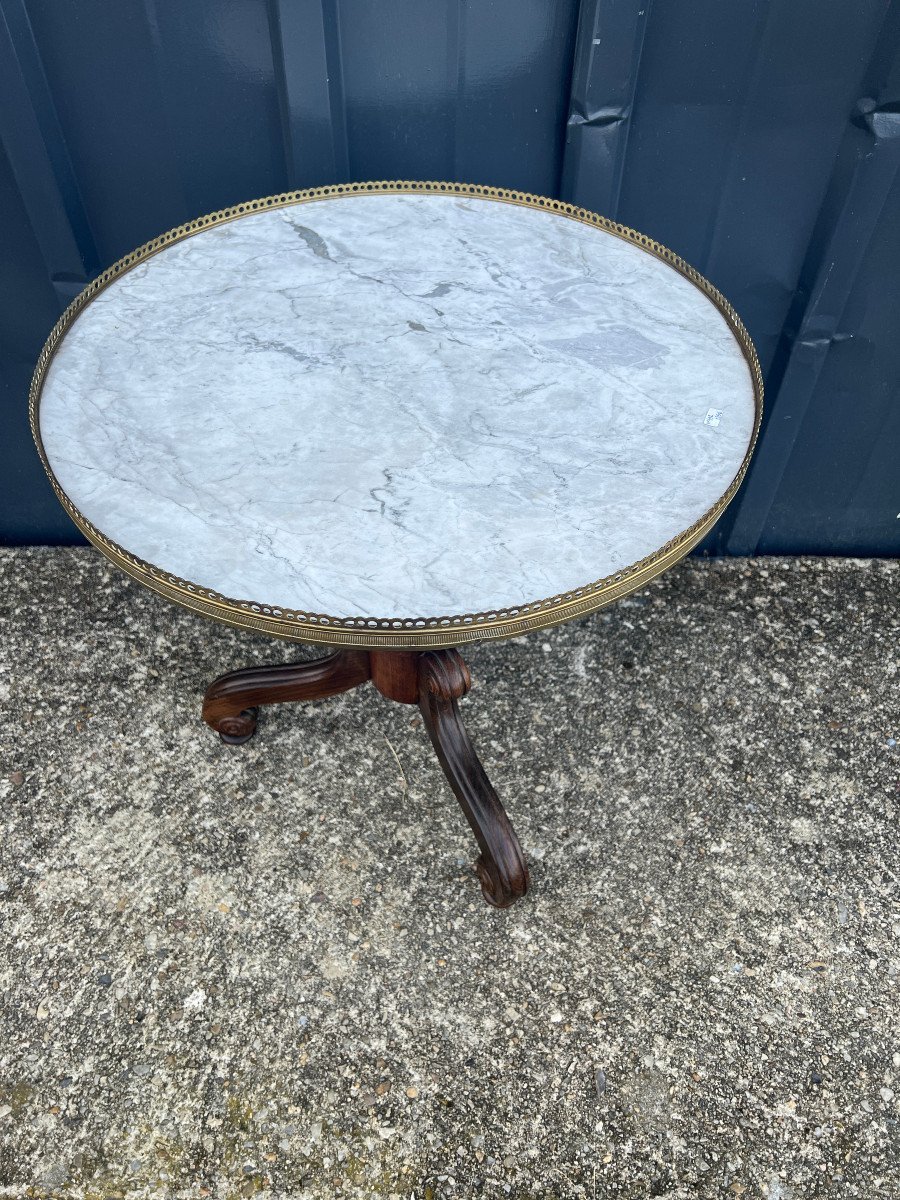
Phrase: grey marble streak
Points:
(397, 406)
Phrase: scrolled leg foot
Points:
(501, 888)
(238, 729)
(444, 679)
(231, 704)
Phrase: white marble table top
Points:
(397, 406)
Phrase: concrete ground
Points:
(267, 971)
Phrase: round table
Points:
(396, 418)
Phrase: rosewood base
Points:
(432, 679)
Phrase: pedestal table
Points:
(395, 419)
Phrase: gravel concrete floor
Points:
(267, 971)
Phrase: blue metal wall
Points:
(758, 138)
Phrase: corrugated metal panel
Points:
(760, 140)
(828, 474)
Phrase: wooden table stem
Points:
(434, 680)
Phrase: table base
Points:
(432, 679)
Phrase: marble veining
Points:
(397, 405)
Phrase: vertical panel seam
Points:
(569, 94)
(276, 39)
(456, 75)
(331, 24)
(75, 228)
(622, 149)
(170, 117)
(751, 77)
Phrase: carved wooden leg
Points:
(434, 680)
(444, 679)
(231, 703)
